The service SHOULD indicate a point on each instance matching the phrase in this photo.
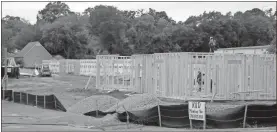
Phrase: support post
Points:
(6, 68)
(44, 100)
(204, 122)
(127, 117)
(86, 87)
(27, 98)
(96, 108)
(36, 100)
(245, 114)
(3, 91)
(6, 72)
(159, 112)
(13, 96)
(20, 95)
(190, 123)
(55, 102)
(98, 74)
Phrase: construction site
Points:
(144, 92)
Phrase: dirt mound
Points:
(118, 94)
(103, 102)
(137, 102)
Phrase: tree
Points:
(53, 11)
(66, 36)
(272, 48)
(16, 32)
(110, 25)
(26, 35)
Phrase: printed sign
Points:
(197, 110)
(9, 70)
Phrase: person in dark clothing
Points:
(199, 80)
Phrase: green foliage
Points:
(65, 36)
(16, 33)
(108, 30)
(53, 11)
(272, 48)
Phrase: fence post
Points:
(159, 112)
(204, 122)
(245, 114)
(3, 94)
(20, 98)
(127, 118)
(13, 95)
(36, 100)
(55, 102)
(44, 101)
(6, 68)
(27, 98)
(96, 108)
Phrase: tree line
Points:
(107, 30)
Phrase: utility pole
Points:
(6, 68)
(276, 53)
(5, 76)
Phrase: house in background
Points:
(32, 54)
(244, 50)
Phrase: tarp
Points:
(43, 101)
(98, 113)
(228, 118)
(8, 94)
(262, 115)
(176, 116)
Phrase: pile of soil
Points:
(96, 102)
(137, 102)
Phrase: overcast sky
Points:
(179, 11)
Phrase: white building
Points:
(244, 50)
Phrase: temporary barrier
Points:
(42, 101)
(177, 116)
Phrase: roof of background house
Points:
(58, 57)
(249, 47)
(26, 49)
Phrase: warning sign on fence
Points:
(197, 110)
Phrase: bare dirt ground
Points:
(69, 90)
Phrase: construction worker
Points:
(199, 80)
(212, 43)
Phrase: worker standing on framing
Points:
(199, 80)
(212, 44)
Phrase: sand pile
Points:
(136, 102)
(92, 103)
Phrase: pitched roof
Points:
(26, 49)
